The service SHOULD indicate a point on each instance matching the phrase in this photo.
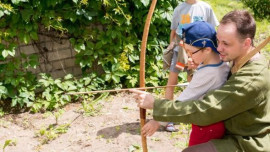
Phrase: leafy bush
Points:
(261, 8)
(104, 31)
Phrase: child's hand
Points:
(170, 46)
(150, 128)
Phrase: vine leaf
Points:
(145, 2)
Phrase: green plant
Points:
(104, 33)
(134, 148)
(56, 114)
(259, 7)
(9, 142)
(155, 139)
(117, 128)
(2, 113)
(137, 148)
(182, 134)
(54, 94)
(54, 90)
(91, 108)
(5, 123)
(50, 133)
(126, 108)
(100, 136)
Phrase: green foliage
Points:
(45, 135)
(56, 114)
(2, 113)
(259, 7)
(104, 31)
(9, 142)
(134, 148)
(183, 134)
(54, 92)
(91, 107)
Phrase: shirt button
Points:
(211, 130)
(200, 128)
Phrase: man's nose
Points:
(219, 48)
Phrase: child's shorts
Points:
(202, 134)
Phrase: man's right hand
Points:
(144, 99)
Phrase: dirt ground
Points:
(115, 128)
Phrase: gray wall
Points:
(56, 56)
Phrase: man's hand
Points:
(144, 99)
(150, 128)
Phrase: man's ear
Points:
(247, 42)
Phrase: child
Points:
(185, 13)
(200, 43)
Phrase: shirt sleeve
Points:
(241, 92)
(175, 18)
(212, 18)
(202, 81)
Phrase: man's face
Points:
(230, 46)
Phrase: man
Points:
(243, 103)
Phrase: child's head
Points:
(200, 39)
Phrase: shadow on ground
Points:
(114, 131)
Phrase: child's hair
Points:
(200, 34)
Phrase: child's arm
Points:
(203, 80)
(172, 41)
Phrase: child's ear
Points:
(208, 49)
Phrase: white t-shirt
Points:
(206, 78)
(185, 13)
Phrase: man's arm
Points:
(238, 94)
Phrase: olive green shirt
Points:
(243, 103)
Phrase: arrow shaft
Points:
(127, 89)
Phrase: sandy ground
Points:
(115, 128)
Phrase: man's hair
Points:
(244, 21)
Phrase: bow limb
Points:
(142, 66)
(247, 57)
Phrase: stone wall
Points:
(56, 56)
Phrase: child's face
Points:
(195, 53)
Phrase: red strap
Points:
(180, 65)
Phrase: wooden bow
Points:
(142, 67)
(247, 57)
